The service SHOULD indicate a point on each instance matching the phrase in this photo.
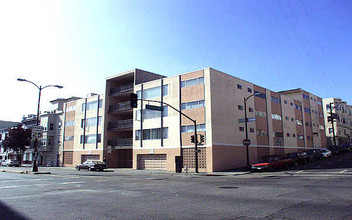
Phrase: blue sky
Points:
(275, 44)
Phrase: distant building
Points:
(29, 121)
(343, 121)
(4, 129)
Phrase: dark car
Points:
(270, 163)
(91, 165)
(345, 147)
(314, 154)
(298, 158)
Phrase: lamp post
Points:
(245, 124)
(40, 88)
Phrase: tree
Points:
(17, 140)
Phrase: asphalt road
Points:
(318, 190)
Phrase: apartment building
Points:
(280, 122)
(342, 129)
(118, 128)
(82, 130)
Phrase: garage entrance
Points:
(84, 158)
(151, 162)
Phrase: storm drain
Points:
(228, 187)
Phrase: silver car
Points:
(10, 162)
(325, 153)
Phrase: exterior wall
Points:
(74, 114)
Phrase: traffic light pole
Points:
(195, 128)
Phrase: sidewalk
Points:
(115, 171)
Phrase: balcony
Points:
(121, 90)
(120, 107)
(120, 125)
(121, 143)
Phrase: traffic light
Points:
(201, 138)
(192, 139)
(133, 100)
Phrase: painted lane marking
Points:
(301, 171)
(65, 183)
(343, 171)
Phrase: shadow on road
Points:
(8, 213)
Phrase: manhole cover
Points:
(228, 187)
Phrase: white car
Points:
(326, 153)
(9, 162)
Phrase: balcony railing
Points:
(121, 142)
(122, 106)
(121, 89)
(120, 125)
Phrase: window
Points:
(240, 107)
(153, 92)
(298, 107)
(192, 82)
(241, 128)
(291, 104)
(90, 139)
(287, 118)
(305, 96)
(260, 95)
(70, 123)
(276, 100)
(190, 128)
(288, 134)
(150, 114)
(239, 86)
(278, 134)
(69, 138)
(91, 122)
(249, 90)
(51, 126)
(327, 107)
(292, 119)
(308, 138)
(319, 102)
(293, 135)
(330, 130)
(299, 122)
(307, 110)
(300, 137)
(70, 108)
(285, 101)
(251, 130)
(262, 132)
(92, 105)
(192, 105)
(152, 134)
(250, 109)
(260, 114)
(275, 117)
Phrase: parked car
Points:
(91, 165)
(335, 150)
(298, 158)
(9, 162)
(325, 153)
(270, 163)
(313, 154)
(345, 147)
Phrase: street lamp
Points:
(40, 88)
(247, 141)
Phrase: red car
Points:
(270, 163)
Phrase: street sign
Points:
(154, 107)
(246, 142)
(241, 120)
(37, 132)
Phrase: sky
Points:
(275, 44)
